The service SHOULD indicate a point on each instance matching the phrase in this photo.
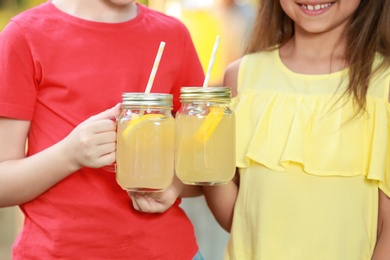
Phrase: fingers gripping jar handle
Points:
(112, 167)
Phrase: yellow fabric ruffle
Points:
(324, 136)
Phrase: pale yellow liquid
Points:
(204, 163)
(145, 156)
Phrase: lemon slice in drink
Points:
(209, 124)
(136, 120)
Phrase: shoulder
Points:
(33, 15)
(249, 64)
(12, 37)
(232, 70)
(231, 75)
(28, 25)
(29, 22)
(160, 19)
(380, 76)
(162, 26)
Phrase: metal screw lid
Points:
(207, 93)
(147, 99)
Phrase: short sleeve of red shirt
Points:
(17, 75)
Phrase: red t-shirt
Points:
(56, 71)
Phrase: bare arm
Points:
(382, 249)
(22, 179)
(231, 76)
(221, 199)
(191, 191)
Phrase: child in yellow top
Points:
(313, 121)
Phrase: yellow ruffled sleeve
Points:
(327, 138)
(384, 182)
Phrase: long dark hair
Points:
(368, 34)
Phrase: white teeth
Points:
(316, 7)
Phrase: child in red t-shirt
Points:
(62, 64)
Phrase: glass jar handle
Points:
(112, 167)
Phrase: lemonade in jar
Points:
(145, 142)
(205, 136)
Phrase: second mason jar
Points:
(145, 142)
(205, 136)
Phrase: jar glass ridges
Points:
(145, 142)
(205, 136)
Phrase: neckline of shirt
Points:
(95, 24)
(336, 74)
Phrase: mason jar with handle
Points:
(205, 136)
(145, 142)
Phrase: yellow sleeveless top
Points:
(309, 170)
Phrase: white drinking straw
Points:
(155, 67)
(211, 63)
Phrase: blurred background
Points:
(205, 19)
